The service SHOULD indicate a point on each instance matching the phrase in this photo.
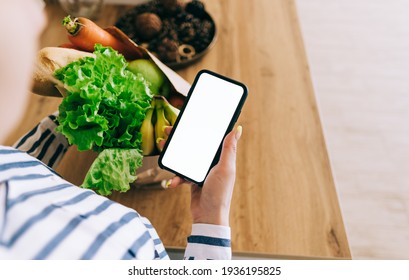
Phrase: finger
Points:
(175, 182)
(168, 129)
(228, 154)
(162, 144)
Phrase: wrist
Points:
(212, 219)
(211, 230)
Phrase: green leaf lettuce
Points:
(104, 108)
(113, 170)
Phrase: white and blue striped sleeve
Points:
(160, 251)
(209, 242)
(44, 143)
(42, 216)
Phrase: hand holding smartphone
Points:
(210, 111)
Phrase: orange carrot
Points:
(69, 46)
(84, 34)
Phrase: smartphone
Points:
(209, 113)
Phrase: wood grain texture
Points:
(285, 201)
(361, 82)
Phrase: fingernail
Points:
(165, 184)
(239, 130)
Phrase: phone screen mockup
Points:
(210, 111)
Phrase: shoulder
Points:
(47, 217)
(15, 164)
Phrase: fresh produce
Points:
(103, 111)
(113, 169)
(48, 60)
(161, 123)
(107, 104)
(68, 46)
(159, 84)
(171, 113)
(83, 33)
(148, 134)
(160, 115)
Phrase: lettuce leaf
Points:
(103, 111)
(105, 103)
(113, 170)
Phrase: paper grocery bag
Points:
(50, 59)
(44, 83)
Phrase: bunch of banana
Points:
(160, 115)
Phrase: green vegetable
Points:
(113, 169)
(105, 104)
(104, 108)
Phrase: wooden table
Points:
(285, 201)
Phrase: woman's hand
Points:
(211, 203)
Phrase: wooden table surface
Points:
(285, 201)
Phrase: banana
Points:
(153, 132)
(147, 130)
(171, 113)
(161, 122)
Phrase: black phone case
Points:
(230, 127)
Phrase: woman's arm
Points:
(210, 206)
(208, 242)
(44, 143)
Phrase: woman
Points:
(42, 216)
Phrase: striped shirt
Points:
(42, 216)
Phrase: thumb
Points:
(228, 154)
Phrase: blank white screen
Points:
(201, 129)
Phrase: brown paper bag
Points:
(150, 175)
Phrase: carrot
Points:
(84, 34)
(69, 46)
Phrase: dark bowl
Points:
(183, 62)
